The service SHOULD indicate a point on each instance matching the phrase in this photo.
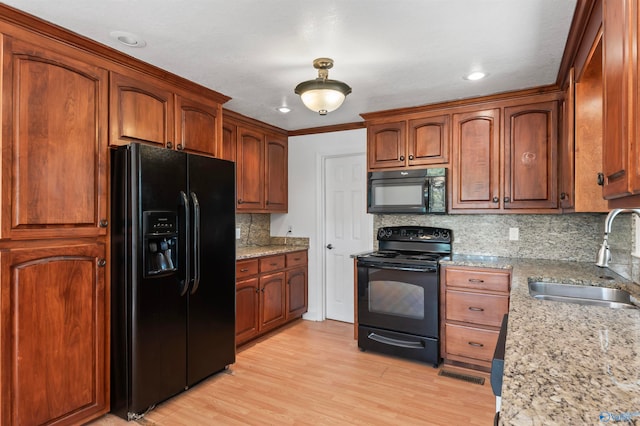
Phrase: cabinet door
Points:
(140, 111)
(247, 309)
(272, 300)
(618, 135)
(196, 126)
(476, 161)
(386, 145)
(276, 171)
(296, 292)
(53, 335)
(250, 170)
(429, 140)
(228, 146)
(530, 156)
(53, 143)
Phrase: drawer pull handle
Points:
(475, 280)
(296, 258)
(477, 345)
(472, 308)
(244, 270)
(273, 264)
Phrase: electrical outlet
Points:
(514, 234)
(237, 233)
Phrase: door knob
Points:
(329, 246)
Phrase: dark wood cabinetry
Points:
(621, 166)
(54, 142)
(270, 291)
(144, 109)
(413, 142)
(53, 305)
(506, 158)
(475, 179)
(261, 156)
(473, 302)
(530, 156)
(54, 334)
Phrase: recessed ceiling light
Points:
(284, 109)
(128, 39)
(476, 75)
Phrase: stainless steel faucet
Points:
(604, 255)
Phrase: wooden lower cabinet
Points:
(270, 291)
(473, 303)
(53, 334)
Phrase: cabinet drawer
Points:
(478, 280)
(271, 263)
(477, 308)
(471, 342)
(246, 268)
(296, 259)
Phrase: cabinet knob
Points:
(240, 201)
(410, 157)
(507, 199)
(102, 262)
(402, 158)
(496, 199)
(169, 145)
(257, 290)
(563, 196)
(267, 202)
(179, 147)
(103, 223)
(601, 179)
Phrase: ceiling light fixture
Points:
(284, 109)
(128, 39)
(322, 95)
(477, 75)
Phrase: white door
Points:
(348, 230)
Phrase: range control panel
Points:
(414, 233)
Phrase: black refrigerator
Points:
(172, 275)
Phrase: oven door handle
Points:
(395, 342)
(400, 268)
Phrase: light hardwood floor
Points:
(312, 373)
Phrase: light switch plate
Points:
(237, 233)
(514, 234)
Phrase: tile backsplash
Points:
(572, 237)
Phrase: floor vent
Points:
(460, 376)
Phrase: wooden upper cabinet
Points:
(621, 46)
(54, 335)
(386, 144)
(250, 170)
(530, 156)
(476, 160)
(276, 173)
(227, 148)
(54, 140)
(407, 143)
(619, 96)
(197, 124)
(428, 140)
(140, 111)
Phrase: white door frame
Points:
(321, 225)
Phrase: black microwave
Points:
(407, 191)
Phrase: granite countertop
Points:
(567, 363)
(258, 251)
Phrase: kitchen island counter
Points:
(566, 363)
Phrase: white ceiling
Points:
(393, 53)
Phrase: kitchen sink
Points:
(581, 294)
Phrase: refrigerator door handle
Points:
(184, 285)
(196, 242)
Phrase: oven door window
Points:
(396, 298)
